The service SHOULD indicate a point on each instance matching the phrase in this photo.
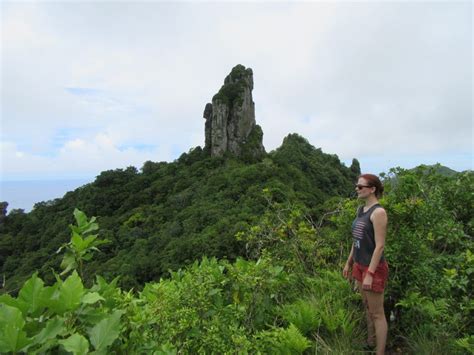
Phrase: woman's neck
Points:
(370, 201)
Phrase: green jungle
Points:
(220, 255)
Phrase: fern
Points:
(303, 314)
(466, 343)
(292, 341)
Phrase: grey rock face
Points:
(230, 119)
(207, 115)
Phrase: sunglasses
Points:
(360, 187)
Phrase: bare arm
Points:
(379, 220)
(349, 263)
(350, 259)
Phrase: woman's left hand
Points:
(367, 282)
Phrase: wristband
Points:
(370, 273)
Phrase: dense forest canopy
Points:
(168, 215)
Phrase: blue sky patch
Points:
(82, 91)
(138, 146)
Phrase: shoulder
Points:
(379, 214)
(379, 211)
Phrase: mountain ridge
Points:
(169, 214)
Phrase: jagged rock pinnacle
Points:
(230, 119)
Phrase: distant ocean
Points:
(24, 194)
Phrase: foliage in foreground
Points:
(211, 307)
(288, 297)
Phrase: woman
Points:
(369, 267)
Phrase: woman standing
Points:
(369, 267)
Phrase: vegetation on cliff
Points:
(234, 86)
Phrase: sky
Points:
(88, 86)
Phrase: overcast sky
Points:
(91, 86)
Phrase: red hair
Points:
(373, 181)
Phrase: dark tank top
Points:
(363, 236)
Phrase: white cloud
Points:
(78, 158)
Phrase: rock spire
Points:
(230, 118)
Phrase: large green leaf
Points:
(78, 242)
(69, 294)
(89, 240)
(13, 302)
(83, 226)
(106, 331)
(92, 297)
(50, 331)
(68, 263)
(49, 295)
(12, 335)
(76, 344)
(30, 294)
(81, 218)
(45, 347)
(93, 242)
(108, 291)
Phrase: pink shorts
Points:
(380, 278)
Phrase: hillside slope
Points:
(169, 214)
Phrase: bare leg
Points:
(377, 313)
(370, 323)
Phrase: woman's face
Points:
(363, 189)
